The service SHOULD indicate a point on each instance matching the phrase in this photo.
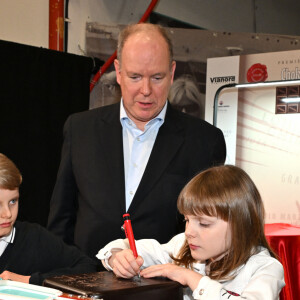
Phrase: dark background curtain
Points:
(39, 89)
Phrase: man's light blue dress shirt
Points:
(137, 147)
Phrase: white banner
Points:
(223, 71)
(267, 144)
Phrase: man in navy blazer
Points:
(134, 156)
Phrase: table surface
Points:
(107, 285)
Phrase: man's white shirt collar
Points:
(160, 116)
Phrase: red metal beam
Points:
(56, 25)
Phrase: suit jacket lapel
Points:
(168, 141)
(110, 132)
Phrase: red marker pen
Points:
(129, 233)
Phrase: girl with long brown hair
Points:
(223, 253)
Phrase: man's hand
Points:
(124, 264)
(6, 275)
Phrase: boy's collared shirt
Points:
(4, 241)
